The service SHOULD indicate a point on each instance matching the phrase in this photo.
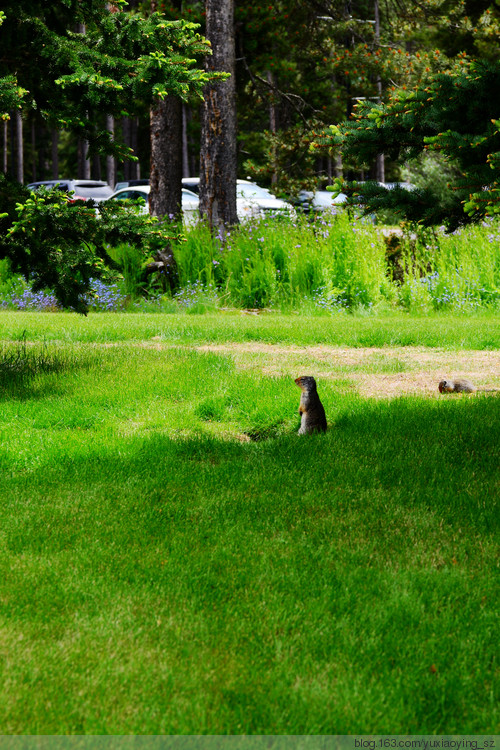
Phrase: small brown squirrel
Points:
(461, 385)
(313, 417)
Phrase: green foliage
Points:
(118, 63)
(131, 259)
(304, 65)
(275, 263)
(332, 265)
(62, 245)
(195, 255)
(433, 169)
(436, 271)
(10, 283)
(454, 115)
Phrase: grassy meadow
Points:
(175, 559)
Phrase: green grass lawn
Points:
(175, 559)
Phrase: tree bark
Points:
(126, 139)
(135, 166)
(83, 160)
(165, 175)
(33, 151)
(19, 154)
(110, 160)
(5, 147)
(186, 170)
(380, 165)
(273, 127)
(166, 157)
(218, 127)
(55, 154)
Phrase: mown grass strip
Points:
(474, 331)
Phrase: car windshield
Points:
(63, 186)
(92, 191)
(250, 190)
(131, 195)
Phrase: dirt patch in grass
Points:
(374, 372)
(377, 372)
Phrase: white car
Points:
(251, 200)
(320, 200)
(140, 193)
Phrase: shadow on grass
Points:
(357, 564)
(22, 363)
(441, 456)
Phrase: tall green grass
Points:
(274, 263)
(339, 263)
(22, 362)
(329, 265)
(459, 271)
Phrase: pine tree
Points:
(122, 63)
(454, 114)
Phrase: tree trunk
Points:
(83, 160)
(83, 166)
(380, 166)
(55, 154)
(186, 171)
(110, 160)
(96, 172)
(19, 146)
(166, 157)
(126, 140)
(166, 139)
(273, 127)
(218, 125)
(5, 160)
(135, 166)
(33, 151)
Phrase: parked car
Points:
(81, 189)
(320, 200)
(131, 183)
(140, 193)
(263, 199)
(251, 199)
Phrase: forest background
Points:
(117, 75)
(301, 65)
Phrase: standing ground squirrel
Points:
(461, 385)
(313, 418)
